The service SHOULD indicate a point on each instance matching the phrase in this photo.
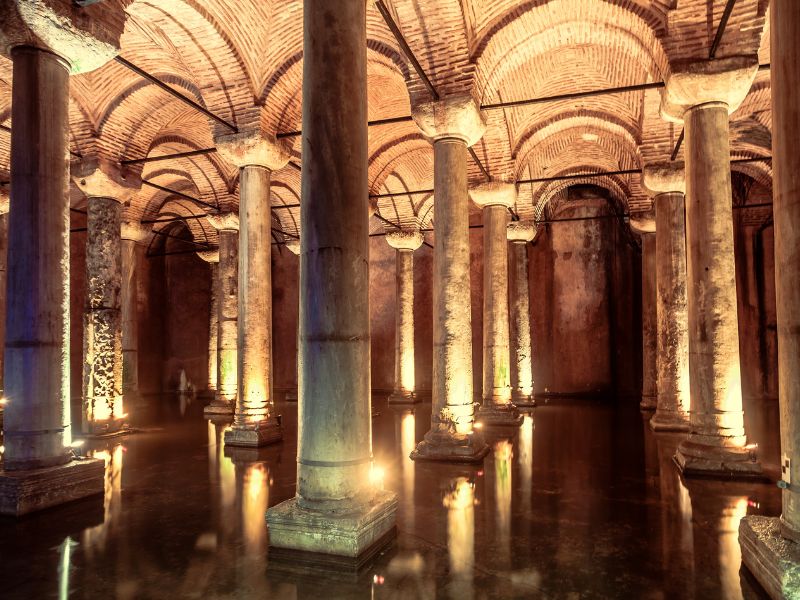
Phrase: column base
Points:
(701, 460)
(499, 415)
(352, 534)
(444, 447)
(290, 396)
(23, 492)
(667, 420)
(772, 559)
(401, 397)
(261, 434)
(648, 402)
(105, 429)
(219, 407)
(522, 399)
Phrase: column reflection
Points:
(407, 444)
(525, 460)
(95, 538)
(460, 504)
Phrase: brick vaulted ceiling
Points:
(242, 59)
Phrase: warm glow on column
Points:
(526, 459)
(254, 507)
(502, 493)
(460, 504)
(730, 553)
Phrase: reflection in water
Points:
(526, 460)
(254, 507)
(460, 504)
(502, 495)
(94, 538)
(407, 444)
(64, 566)
(730, 554)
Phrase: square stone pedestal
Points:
(355, 536)
(23, 492)
(397, 397)
(218, 407)
(444, 447)
(253, 437)
(773, 560)
(700, 460)
(499, 415)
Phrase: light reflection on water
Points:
(460, 504)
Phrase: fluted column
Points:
(404, 242)
(453, 124)
(494, 200)
(519, 234)
(666, 182)
(701, 95)
(227, 226)
(212, 258)
(338, 509)
(133, 234)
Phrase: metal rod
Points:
(175, 93)
(723, 22)
(573, 95)
(172, 219)
(149, 159)
(7, 129)
(286, 233)
(478, 162)
(284, 206)
(677, 148)
(398, 35)
(202, 245)
(78, 229)
(578, 176)
(396, 194)
(568, 219)
(375, 123)
(756, 205)
(77, 210)
(177, 193)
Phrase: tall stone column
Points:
(291, 395)
(37, 469)
(453, 124)
(337, 509)
(257, 155)
(106, 189)
(770, 546)
(4, 201)
(133, 234)
(494, 199)
(666, 182)
(227, 226)
(702, 94)
(404, 242)
(645, 227)
(519, 233)
(212, 258)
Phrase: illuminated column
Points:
(227, 225)
(404, 242)
(37, 469)
(494, 199)
(133, 234)
(106, 189)
(291, 396)
(519, 233)
(257, 155)
(212, 258)
(666, 182)
(453, 124)
(337, 509)
(764, 541)
(701, 95)
(645, 227)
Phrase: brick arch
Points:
(550, 193)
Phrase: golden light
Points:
(526, 458)
(3, 401)
(502, 490)
(376, 476)
(254, 505)
(730, 553)
(460, 504)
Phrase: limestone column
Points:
(106, 189)
(4, 200)
(494, 199)
(702, 94)
(649, 312)
(212, 258)
(227, 226)
(337, 509)
(404, 242)
(133, 234)
(453, 124)
(257, 155)
(37, 469)
(291, 395)
(666, 182)
(519, 233)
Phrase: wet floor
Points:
(582, 501)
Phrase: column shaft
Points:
(213, 327)
(3, 287)
(404, 375)
(36, 418)
(520, 327)
(130, 327)
(227, 320)
(649, 322)
(672, 357)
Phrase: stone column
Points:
(133, 234)
(4, 200)
(257, 155)
(337, 510)
(494, 199)
(227, 226)
(37, 469)
(212, 258)
(291, 395)
(649, 313)
(702, 94)
(765, 547)
(519, 233)
(404, 242)
(666, 182)
(106, 189)
(453, 124)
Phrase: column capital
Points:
(228, 221)
(86, 38)
(494, 193)
(452, 117)
(664, 178)
(134, 231)
(100, 178)
(293, 246)
(521, 231)
(643, 222)
(253, 147)
(694, 83)
(405, 239)
(210, 256)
